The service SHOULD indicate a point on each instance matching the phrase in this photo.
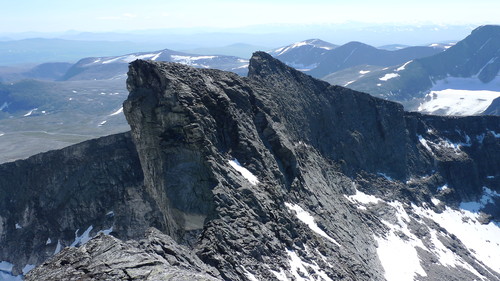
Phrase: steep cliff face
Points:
(51, 200)
(280, 176)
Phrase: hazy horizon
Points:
(119, 15)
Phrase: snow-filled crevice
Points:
(306, 218)
(244, 172)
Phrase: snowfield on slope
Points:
(482, 240)
(460, 96)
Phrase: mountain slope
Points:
(469, 66)
(356, 53)
(277, 176)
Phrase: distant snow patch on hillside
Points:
(363, 72)
(130, 58)
(30, 112)
(388, 76)
(401, 68)
(460, 96)
(192, 60)
(117, 112)
(457, 102)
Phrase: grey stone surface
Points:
(308, 143)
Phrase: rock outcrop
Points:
(262, 178)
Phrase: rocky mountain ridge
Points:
(277, 176)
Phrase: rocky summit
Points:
(274, 176)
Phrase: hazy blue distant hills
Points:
(460, 74)
(41, 50)
(116, 67)
(241, 50)
(393, 47)
(304, 55)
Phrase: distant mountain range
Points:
(42, 50)
(321, 58)
(113, 67)
(462, 80)
(77, 101)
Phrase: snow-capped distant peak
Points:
(130, 58)
(315, 43)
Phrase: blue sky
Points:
(115, 15)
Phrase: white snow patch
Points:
(48, 241)
(379, 85)
(27, 268)
(458, 102)
(297, 264)
(385, 176)
(442, 188)
(392, 247)
(102, 123)
(58, 247)
(390, 250)
(363, 72)
(117, 112)
(10, 277)
(424, 143)
(244, 172)
(486, 198)
(241, 67)
(281, 275)
(435, 201)
(131, 58)
(363, 198)
(490, 177)
(192, 60)
(30, 112)
(249, 275)
(156, 56)
(6, 266)
(306, 218)
(18, 226)
(483, 240)
(401, 68)
(6, 272)
(388, 76)
(350, 82)
(110, 214)
(106, 231)
(460, 96)
(82, 239)
(446, 256)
